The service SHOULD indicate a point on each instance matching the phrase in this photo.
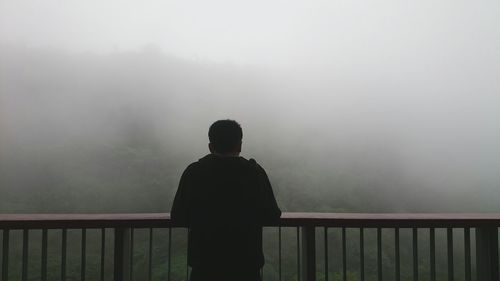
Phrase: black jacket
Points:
(225, 201)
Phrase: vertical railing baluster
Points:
(449, 239)
(103, 251)
(344, 256)
(298, 254)
(379, 254)
(468, 275)
(5, 255)
(397, 267)
(362, 253)
(279, 253)
(169, 253)
(123, 251)
(63, 253)
(432, 251)
(44, 255)
(84, 254)
(131, 256)
(187, 265)
(24, 276)
(308, 251)
(487, 253)
(415, 253)
(150, 255)
(326, 252)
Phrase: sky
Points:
(339, 33)
(418, 80)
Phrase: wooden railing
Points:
(485, 227)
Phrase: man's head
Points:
(225, 137)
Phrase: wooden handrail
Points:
(146, 220)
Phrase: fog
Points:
(349, 105)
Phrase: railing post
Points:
(5, 255)
(487, 253)
(122, 254)
(308, 250)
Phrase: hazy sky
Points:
(417, 66)
(418, 80)
(334, 33)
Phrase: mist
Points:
(350, 106)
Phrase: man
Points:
(225, 200)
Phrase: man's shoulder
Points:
(255, 165)
(211, 160)
(191, 169)
(260, 170)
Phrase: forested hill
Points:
(83, 132)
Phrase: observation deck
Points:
(314, 236)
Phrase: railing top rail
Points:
(159, 220)
(392, 220)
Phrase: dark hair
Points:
(225, 135)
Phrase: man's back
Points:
(225, 201)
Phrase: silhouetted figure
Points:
(225, 199)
